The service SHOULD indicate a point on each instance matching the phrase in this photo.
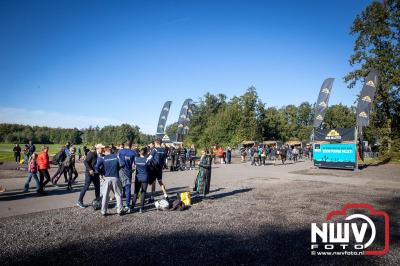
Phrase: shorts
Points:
(158, 174)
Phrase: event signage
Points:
(335, 148)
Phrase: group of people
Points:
(181, 158)
(224, 156)
(39, 163)
(258, 155)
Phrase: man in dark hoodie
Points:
(91, 175)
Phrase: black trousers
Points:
(44, 173)
(192, 160)
(71, 170)
(142, 187)
(61, 170)
(96, 182)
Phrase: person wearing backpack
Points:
(141, 179)
(43, 166)
(158, 157)
(32, 169)
(32, 148)
(69, 164)
(58, 159)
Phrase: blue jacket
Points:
(110, 164)
(158, 154)
(142, 169)
(126, 160)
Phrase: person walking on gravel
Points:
(91, 175)
(109, 164)
(59, 159)
(17, 155)
(69, 164)
(43, 166)
(32, 169)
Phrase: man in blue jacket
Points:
(158, 155)
(126, 158)
(109, 164)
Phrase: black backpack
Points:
(96, 204)
(59, 157)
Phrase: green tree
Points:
(377, 45)
(338, 116)
(171, 129)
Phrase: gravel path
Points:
(257, 219)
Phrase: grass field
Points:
(6, 153)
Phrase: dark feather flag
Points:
(163, 119)
(366, 99)
(322, 102)
(184, 119)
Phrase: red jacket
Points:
(43, 160)
(220, 152)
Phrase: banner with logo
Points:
(163, 118)
(366, 98)
(337, 135)
(184, 119)
(335, 148)
(322, 102)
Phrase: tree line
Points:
(217, 120)
(15, 133)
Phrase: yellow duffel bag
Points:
(186, 198)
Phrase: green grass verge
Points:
(6, 153)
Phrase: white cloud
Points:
(52, 119)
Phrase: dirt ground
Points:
(253, 215)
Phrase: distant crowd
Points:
(260, 154)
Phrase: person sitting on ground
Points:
(109, 165)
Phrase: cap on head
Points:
(99, 146)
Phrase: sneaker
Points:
(80, 204)
(140, 210)
(128, 210)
